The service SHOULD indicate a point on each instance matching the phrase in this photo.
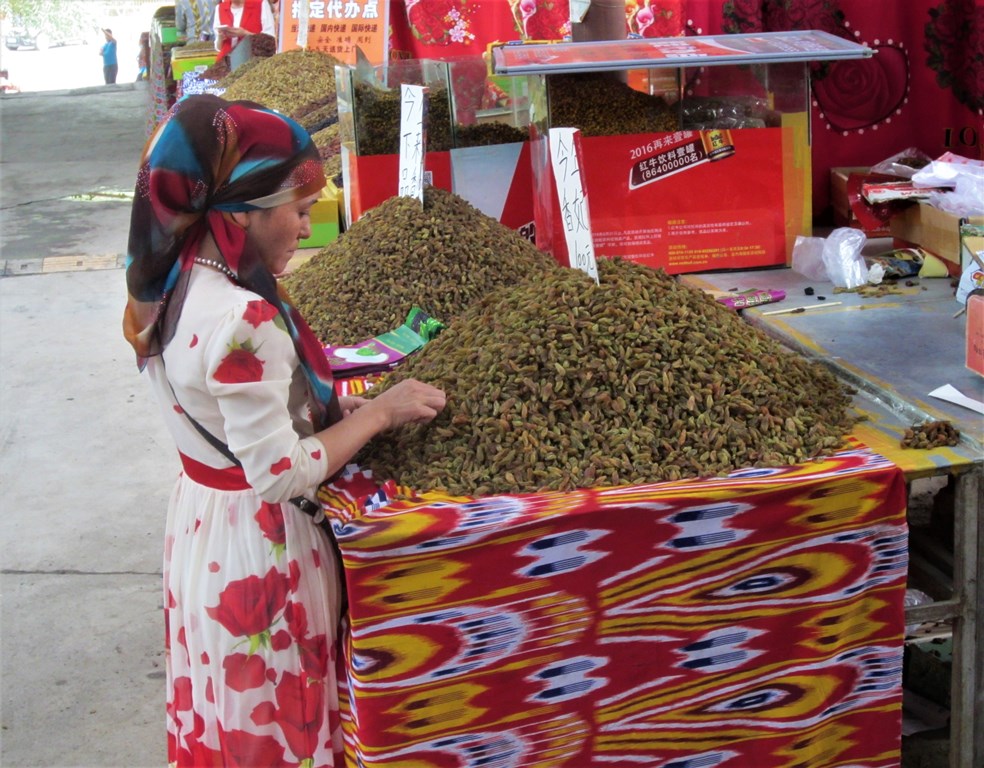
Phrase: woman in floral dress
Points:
(251, 583)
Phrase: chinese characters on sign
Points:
(668, 155)
(413, 138)
(573, 199)
(336, 27)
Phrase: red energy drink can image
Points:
(718, 143)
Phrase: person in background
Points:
(235, 19)
(108, 53)
(252, 584)
(5, 85)
(194, 19)
(143, 56)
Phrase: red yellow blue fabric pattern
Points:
(750, 621)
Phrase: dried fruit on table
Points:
(600, 105)
(288, 81)
(318, 115)
(559, 383)
(931, 434)
(328, 141)
(443, 257)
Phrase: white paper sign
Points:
(413, 113)
(953, 395)
(573, 199)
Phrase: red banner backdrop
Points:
(924, 87)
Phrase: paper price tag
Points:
(413, 140)
(564, 145)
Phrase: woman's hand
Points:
(349, 403)
(409, 402)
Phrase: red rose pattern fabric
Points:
(252, 596)
(240, 365)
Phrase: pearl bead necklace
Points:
(217, 265)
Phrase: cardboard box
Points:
(324, 220)
(180, 66)
(840, 200)
(933, 229)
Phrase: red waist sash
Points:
(228, 479)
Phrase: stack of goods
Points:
(163, 88)
(377, 119)
(377, 113)
(298, 83)
(328, 140)
(442, 257)
(222, 75)
(258, 46)
(559, 383)
(600, 105)
(187, 64)
(293, 82)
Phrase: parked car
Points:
(19, 37)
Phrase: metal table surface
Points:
(894, 350)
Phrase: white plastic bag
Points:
(903, 164)
(843, 260)
(808, 257)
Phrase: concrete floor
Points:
(85, 463)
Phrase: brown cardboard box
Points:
(931, 228)
(843, 215)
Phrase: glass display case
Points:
(476, 132)
(695, 151)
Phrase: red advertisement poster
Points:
(338, 27)
(685, 201)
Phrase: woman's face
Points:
(276, 232)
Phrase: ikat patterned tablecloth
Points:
(753, 621)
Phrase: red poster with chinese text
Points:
(686, 201)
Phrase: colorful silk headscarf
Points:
(211, 157)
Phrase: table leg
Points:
(967, 705)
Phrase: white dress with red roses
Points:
(251, 585)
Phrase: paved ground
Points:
(85, 464)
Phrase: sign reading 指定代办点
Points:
(336, 27)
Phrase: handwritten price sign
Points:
(564, 146)
(413, 114)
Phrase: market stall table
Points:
(755, 619)
(896, 349)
